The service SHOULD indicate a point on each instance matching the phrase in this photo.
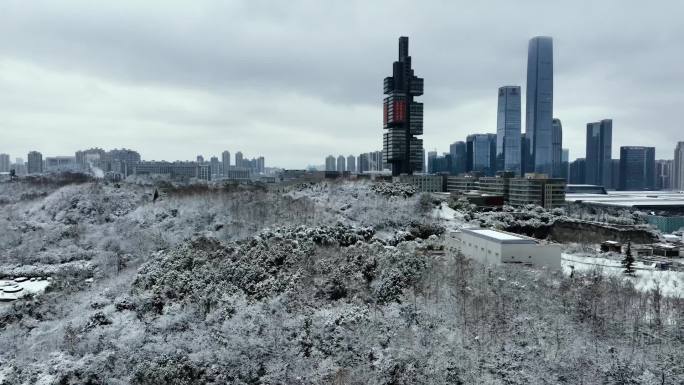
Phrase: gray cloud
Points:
(300, 79)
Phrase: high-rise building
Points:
(557, 148)
(260, 165)
(482, 153)
(599, 147)
(526, 163)
(330, 164)
(637, 168)
(200, 159)
(508, 130)
(678, 172)
(19, 166)
(363, 163)
(214, 168)
(239, 159)
(4, 162)
(403, 117)
(565, 164)
(578, 169)
(431, 157)
(614, 174)
(351, 163)
(469, 153)
(663, 174)
(376, 161)
(35, 162)
(458, 157)
(340, 163)
(442, 164)
(225, 162)
(539, 106)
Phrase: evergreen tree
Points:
(628, 261)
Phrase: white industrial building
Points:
(496, 247)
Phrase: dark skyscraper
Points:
(598, 155)
(557, 148)
(637, 168)
(458, 157)
(577, 171)
(614, 174)
(402, 117)
(482, 153)
(508, 130)
(526, 163)
(431, 157)
(539, 107)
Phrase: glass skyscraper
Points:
(481, 152)
(557, 147)
(637, 168)
(403, 117)
(458, 157)
(598, 155)
(508, 130)
(678, 177)
(539, 107)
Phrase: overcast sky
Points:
(298, 80)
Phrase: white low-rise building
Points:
(496, 247)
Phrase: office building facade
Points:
(598, 152)
(614, 174)
(402, 116)
(678, 167)
(363, 163)
(481, 153)
(637, 168)
(508, 130)
(663, 174)
(539, 106)
(458, 157)
(4, 162)
(526, 163)
(557, 148)
(565, 164)
(578, 171)
(538, 190)
(35, 162)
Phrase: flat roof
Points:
(499, 236)
(635, 199)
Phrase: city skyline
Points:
(168, 106)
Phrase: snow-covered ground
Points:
(453, 220)
(647, 277)
(12, 290)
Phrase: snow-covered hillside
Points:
(337, 282)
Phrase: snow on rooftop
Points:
(500, 235)
(630, 198)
